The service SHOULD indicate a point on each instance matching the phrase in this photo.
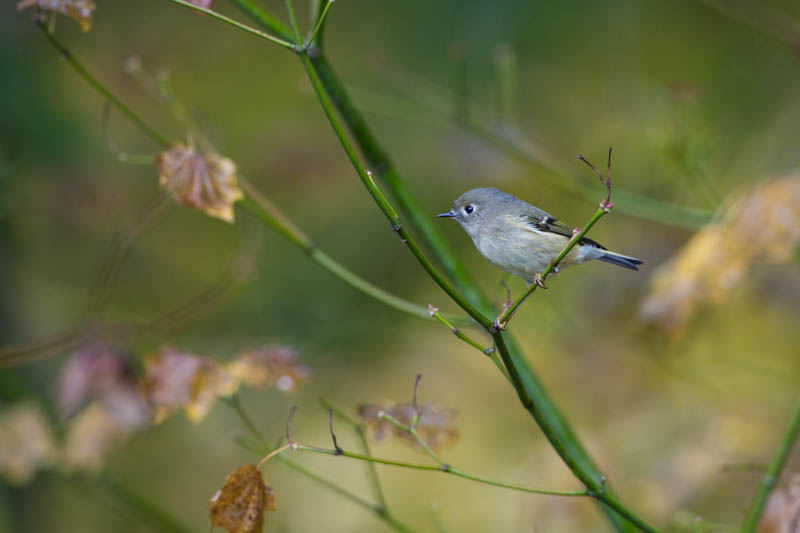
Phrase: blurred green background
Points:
(697, 103)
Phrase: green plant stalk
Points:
(83, 73)
(445, 468)
(362, 437)
(293, 21)
(773, 473)
(272, 216)
(379, 509)
(239, 25)
(595, 486)
(503, 319)
(555, 420)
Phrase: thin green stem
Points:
(383, 203)
(447, 469)
(379, 509)
(244, 27)
(362, 437)
(269, 213)
(83, 73)
(293, 21)
(263, 18)
(412, 430)
(503, 319)
(318, 26)
(773, 473)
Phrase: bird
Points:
(522, 239)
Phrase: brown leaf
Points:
(78, 10)
(26, 443)
(239, 505)
(435, 425)
(174, 380)
(203, 181)
(760, 226)
(269, 365)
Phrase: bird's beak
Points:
(449, 214)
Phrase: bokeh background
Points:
(699, 101)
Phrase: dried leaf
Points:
(26, 443)
(436, 424)
(175, 380)
(782, 512)
(92, 434)
(269, 365)
(761, 226)
(87, 373)
(239, 505)
(78, 10)
(203, 181)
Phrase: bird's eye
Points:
(469, 209)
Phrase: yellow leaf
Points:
(78, 10)
(239, 505)
(203, 181)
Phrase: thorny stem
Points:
(773, 473)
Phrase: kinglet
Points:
(520, 238)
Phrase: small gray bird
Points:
(520, 238)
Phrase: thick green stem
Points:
(773, 473)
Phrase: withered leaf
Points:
(174, 380)
(762, 225)
(78, 10)
(26, 443)
(91, 435)
(203, 181)
(436, 424)
(266, 366)
(239, 505)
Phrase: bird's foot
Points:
(539, 280)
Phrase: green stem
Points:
(503, 319)
(269, 213)
(83, 73)
(244, 27)
(318, 26)
(773, 473)
(362, 436)
(445, 468)
(293, 21)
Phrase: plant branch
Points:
(293, 21)
(83, 73)
(773, 473)
(244, 27)
(310, 39)
(362, 437)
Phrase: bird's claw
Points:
(498, 326)
(539, 280)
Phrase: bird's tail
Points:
(624, 261)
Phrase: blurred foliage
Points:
(700, 103)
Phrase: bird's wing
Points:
(545, 222)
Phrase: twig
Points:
(320, 20)
(605, 206)
(333, 435)
(293, 21)
(244, 27)
(773, 472)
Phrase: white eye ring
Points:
(469, 209)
